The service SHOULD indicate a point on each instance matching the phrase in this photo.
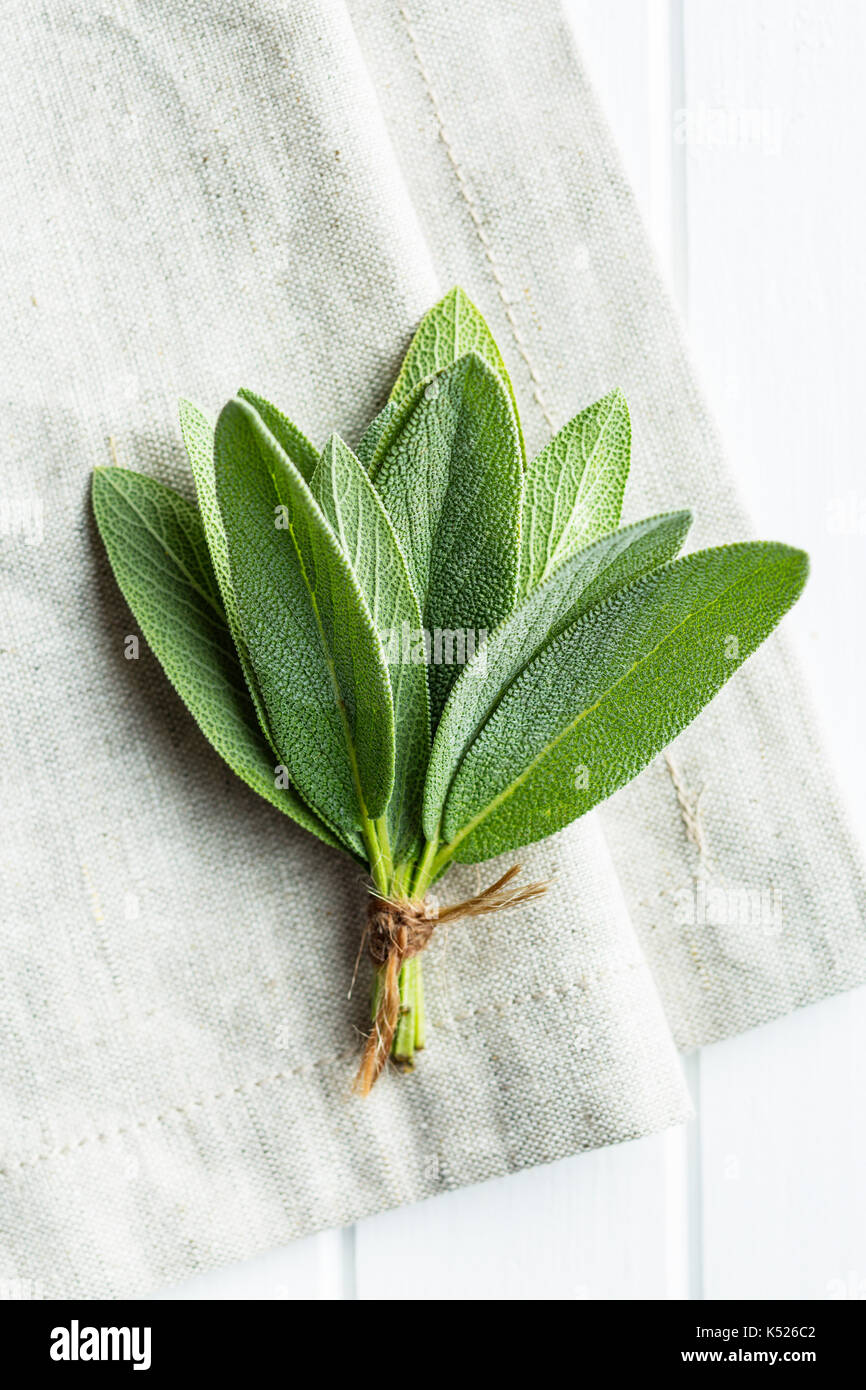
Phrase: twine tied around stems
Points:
(398, 930)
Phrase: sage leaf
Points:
(158, 552)
(316, 653)
(358, 519)
(449, 473)
(293, 443)
(373, 433)
(580, 583)
(574, 488)
(198, 436)
(606, 695)
(446, 333)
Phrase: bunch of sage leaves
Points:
(581, 649)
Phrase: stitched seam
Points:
(152, 1121)
(690, 809)
(478, 223)
(159, 1119)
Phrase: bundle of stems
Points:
(431, 649)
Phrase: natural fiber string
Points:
(398, 930)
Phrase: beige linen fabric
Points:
(196, 196)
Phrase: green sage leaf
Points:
(580, 583)
(157, 549)
(447, 468)
(358, 519)
(198, 436)
(293, 443)
(574, 488)
(606, 695)
(446, 333)
(317, 655)
(373, 433)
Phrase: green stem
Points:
(378, 862)
(376, 993)
(433, 863)
(420, 1011)
(441, 862)
(425, 869)
(401, 879)
(404, 1039)
(381, 827)
(404, 881)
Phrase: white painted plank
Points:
(603, 1225)
(783, 1140)
(775, 134)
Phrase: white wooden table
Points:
(743, 128)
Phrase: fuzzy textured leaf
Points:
(373, 433)
(580, 583)
(198, 436)
(157, 549)
(446, 333)
(293, 443)
(605, 696)
(448, 471)
(358, 519)
(574, 488)
(317, 656)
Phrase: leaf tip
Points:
(801, 562)
(617, 400)
(459, 299)
(101, 474)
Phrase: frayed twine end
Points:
(396, 931)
